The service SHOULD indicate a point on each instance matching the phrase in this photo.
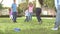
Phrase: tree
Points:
(23, 6)
(49, 3)
(1, 5)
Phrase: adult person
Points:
(39, 4)
(57, 21)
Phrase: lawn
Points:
(32, 27)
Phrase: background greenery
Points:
(23, 6)
(47, 3)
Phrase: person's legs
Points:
(27, 19)
(38, 12)
(57, 22)
(11, 17)
(30, 16)
(56, 25)
(14, 16)
(39, 19)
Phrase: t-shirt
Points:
(31, 8)
(14, 7)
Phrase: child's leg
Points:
(26, 19)
(30, 16)
(12, 17)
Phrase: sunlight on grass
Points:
(32, 27)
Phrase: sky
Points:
(8, 3)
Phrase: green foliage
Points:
(1, 6)
(23, 6)
(49, 3)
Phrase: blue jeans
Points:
(14, 16)
(57, 21)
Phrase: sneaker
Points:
(54, 28)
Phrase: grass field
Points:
(32, 27)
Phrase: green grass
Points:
(32, 27)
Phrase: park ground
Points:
(32, 27)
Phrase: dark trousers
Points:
(27, 18)
(38, 12)
(14, 16)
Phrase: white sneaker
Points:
(54, 28)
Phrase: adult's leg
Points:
(57, 21)
(38, 11)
